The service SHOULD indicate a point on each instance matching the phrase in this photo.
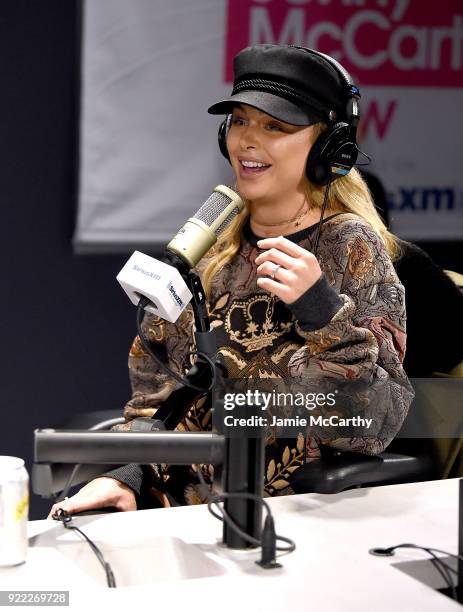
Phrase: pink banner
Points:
(381, 42)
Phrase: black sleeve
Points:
(139, 478)
(131, 475)
(317, 306)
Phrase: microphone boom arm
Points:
(203, 373)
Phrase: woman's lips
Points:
(247, 172)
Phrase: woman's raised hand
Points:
(292, 269)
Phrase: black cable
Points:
(65, 518)
(68, 485)
(438, 563)
(211, 365)
(146, 345)
(97, 427)
(448, 567)
(322, 214)
(444, 552)
(224, 516)
(216, 499)
(367, 157)
(426, 548)
(442, 568)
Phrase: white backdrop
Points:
(150, 68)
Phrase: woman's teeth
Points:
(253, 167)
(253, 164)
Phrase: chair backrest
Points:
(457, 278)
(450, 451)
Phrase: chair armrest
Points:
(342, 471)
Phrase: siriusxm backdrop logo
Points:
(175, 295)
(152, 275)
(412, 199)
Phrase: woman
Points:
(285, 300)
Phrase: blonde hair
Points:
(348, 194)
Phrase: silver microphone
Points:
(200, 232)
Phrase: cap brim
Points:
(277, 107)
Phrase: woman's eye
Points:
(274, 127)
(238, 121)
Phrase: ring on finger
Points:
(274, 271)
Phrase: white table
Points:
(171, 557)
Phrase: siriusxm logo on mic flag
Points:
(161, 283)
(175, 296)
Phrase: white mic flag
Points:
(161, 283)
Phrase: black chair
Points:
(406, 459)
(104, 419)
(335, 471)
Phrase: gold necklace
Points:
(296, 220)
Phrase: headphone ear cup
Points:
(332, 155)
(317, 169)
(222, 136)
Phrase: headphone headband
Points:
(352, 91)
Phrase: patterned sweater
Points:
(350, 325)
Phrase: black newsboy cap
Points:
(289, 83)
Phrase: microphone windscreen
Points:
(200, 232)
(214, 208)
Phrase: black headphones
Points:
(335, 151)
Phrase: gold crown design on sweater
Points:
(255, 323)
